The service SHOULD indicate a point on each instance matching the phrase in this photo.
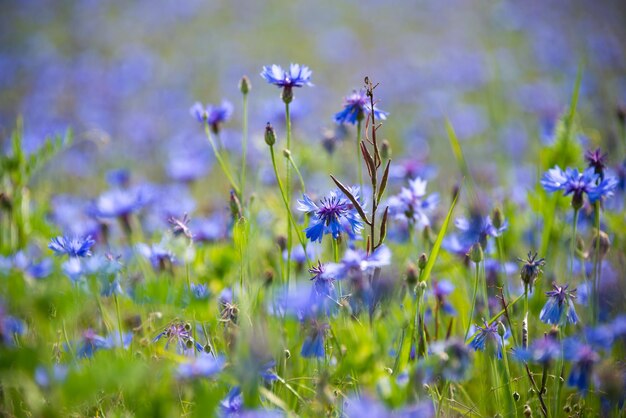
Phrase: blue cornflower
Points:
(213, 115)
(72, 246)
(45, 376)
(232, 404)
(180, 334)
(412, 205)
(10, 326)
(597, 161)
(204, 365)
(323, 283)
(559, 309)
(334, 215)
(531, 269)
(92, 342)
(541, 351)
(440, 290)
(160, 257)
(356, 106)
(478, 228)
(110, 288)
(486, 334)
(448, 360)
(297, 76)
(313, 345)
(573, 182)
(119, 203)
(365, 406)
(583, 358)
(355, 262)
(200, 291)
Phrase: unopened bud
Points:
(601, 243)
(422, 261)
(385, 150)
(189, 343)
(411, 275)
(270, 134)
(516, 396)
(567, 409)
(422, 286)
(527, 411)
(475, 253)
(268, 276)
(501, 329)
(580, 248)
(281, 240)
(287, 354)
(286, 153)
(244, 85)
(498, 218)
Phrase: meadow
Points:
(292, 209)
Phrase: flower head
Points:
(313, 345)
(485, 335)
(449, 360)
(355, 107)
(583, 358)
(180, 334)
(72, 246)
(541, 351)
(323, 283)
(531, 269)
(334, 214)
(180, 226)
(412, 204)
(597, 161)
(213, 115)
(200, 291)
(559, 309)
(204, 365)
(578, 184)
(297, 76)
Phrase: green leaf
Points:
(432, 258)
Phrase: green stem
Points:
(359, 163)
(220, 160)
(288, 193)
(119, 320)
(595, 300)
(286, 203)
(507, 377)
(471, 317)
(244, 147)
(573, 243)
(295, 167)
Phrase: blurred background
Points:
(123, 75)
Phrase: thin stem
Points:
(295, 167)
(507, 377)
(220, 160)
(484, 281)
(119, 320)
(359, 163)
(471, 317)
(595, 300)
(244, 146)
(573, 243)
(288, 193)
(285, 202)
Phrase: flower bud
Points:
(475, 253)
(411, 275)
(516, 396)
(281, 240)
(286, 153)
(577, 200)
(287, 354)
(385, 150)
(422, 261)
(527, 411)
(244, 85)
(501, 329)
(270, 134)
(601, 243)
(498, 218)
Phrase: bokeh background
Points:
(123, 75)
